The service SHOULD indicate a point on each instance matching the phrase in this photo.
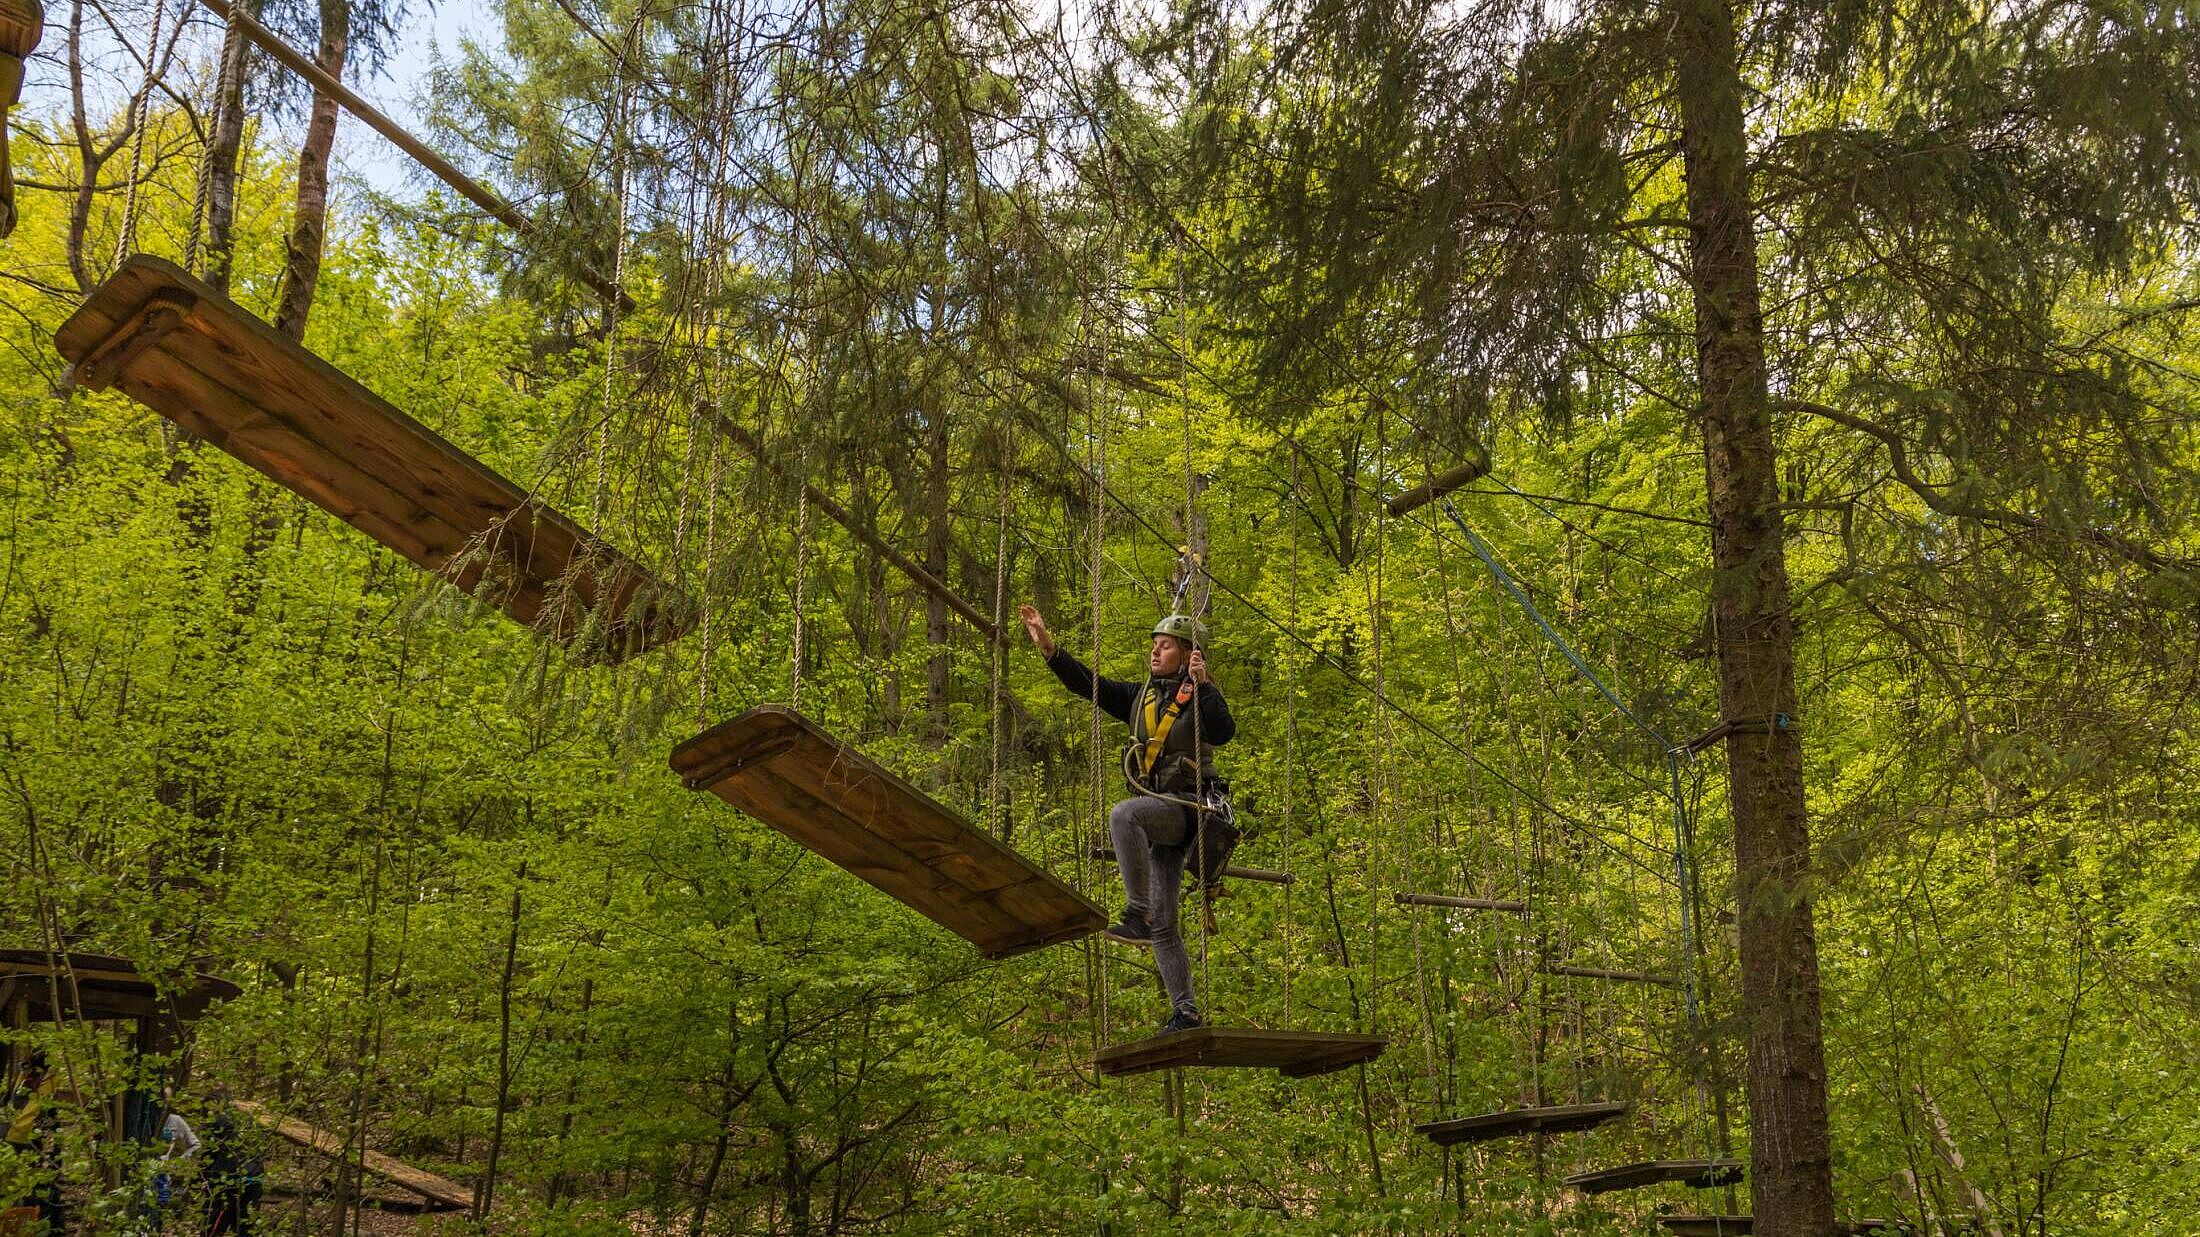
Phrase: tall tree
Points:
(1492, 192)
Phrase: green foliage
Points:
(467, 901)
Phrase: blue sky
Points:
(427, 36)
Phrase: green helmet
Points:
(1184, 627)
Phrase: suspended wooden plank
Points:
(1506, 905)
(1511, 1122)
(1701, 1174)
(780, 767)
(1295, 1054)
(438, 1191)
(190, 354)
(1624, 977)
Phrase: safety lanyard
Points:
(1158, 727)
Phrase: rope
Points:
(126, 237)
(1290, 748)
(1000, 622)
(801, 575)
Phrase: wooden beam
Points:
(1463, 904)
(846, 519)
(1625, 977)
(444, 170)
(1441, 484)
(438, 1191)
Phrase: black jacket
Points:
(1201, 727)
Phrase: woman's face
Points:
(1166, 657)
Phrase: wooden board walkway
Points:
(192, 355)
(781, 768)
(1700, 1174)
(438, 1191)
(1295, 1054)
(1508, 1122)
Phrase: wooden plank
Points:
(1295, 1054)
(1707, 1226)
(192, 355)
(1463, 904)
(1441, 484)
(1624, 977)
(1511, 1122)
(781, 768)
(1699, 1174)
(437, 1190)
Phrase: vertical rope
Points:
(801, 575)
(1000, 624)
(618, 280)
(140, 108)
(1290, 736)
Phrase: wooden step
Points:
(1701, 1174)
(1510, 1122)
(192, 355)
(780, 767)
(1296, 1054)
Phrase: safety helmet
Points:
(1184, 627)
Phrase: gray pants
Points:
(1150, 837)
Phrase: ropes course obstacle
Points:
(786, 771)
(192, 355)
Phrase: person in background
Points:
(230, 1170)
(36, 1128)
(180, 1144)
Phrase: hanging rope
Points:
(140, 110)
(1000, 623)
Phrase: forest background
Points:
(961, 267)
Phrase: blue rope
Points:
(1683, 832)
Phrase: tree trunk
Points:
(485, 1192)
(224, 148)
(1790, 1178)
(309, 224)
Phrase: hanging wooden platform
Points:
(1295, 1054)
(1701, 1174)
(1722, 1226)
(1510, 1122)
(437, 1191)
(1507, 905)
(190, 354)
(781, 768)
(1622, 977)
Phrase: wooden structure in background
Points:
(1509, 1122)
(190, 354)
(783, 769)
(1294, 1054)
(38, 985)
(1699, 1174)
(436, 1192)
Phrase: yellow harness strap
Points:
(1158, 727)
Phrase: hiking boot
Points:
(1132, 930)
(1181, 1020)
